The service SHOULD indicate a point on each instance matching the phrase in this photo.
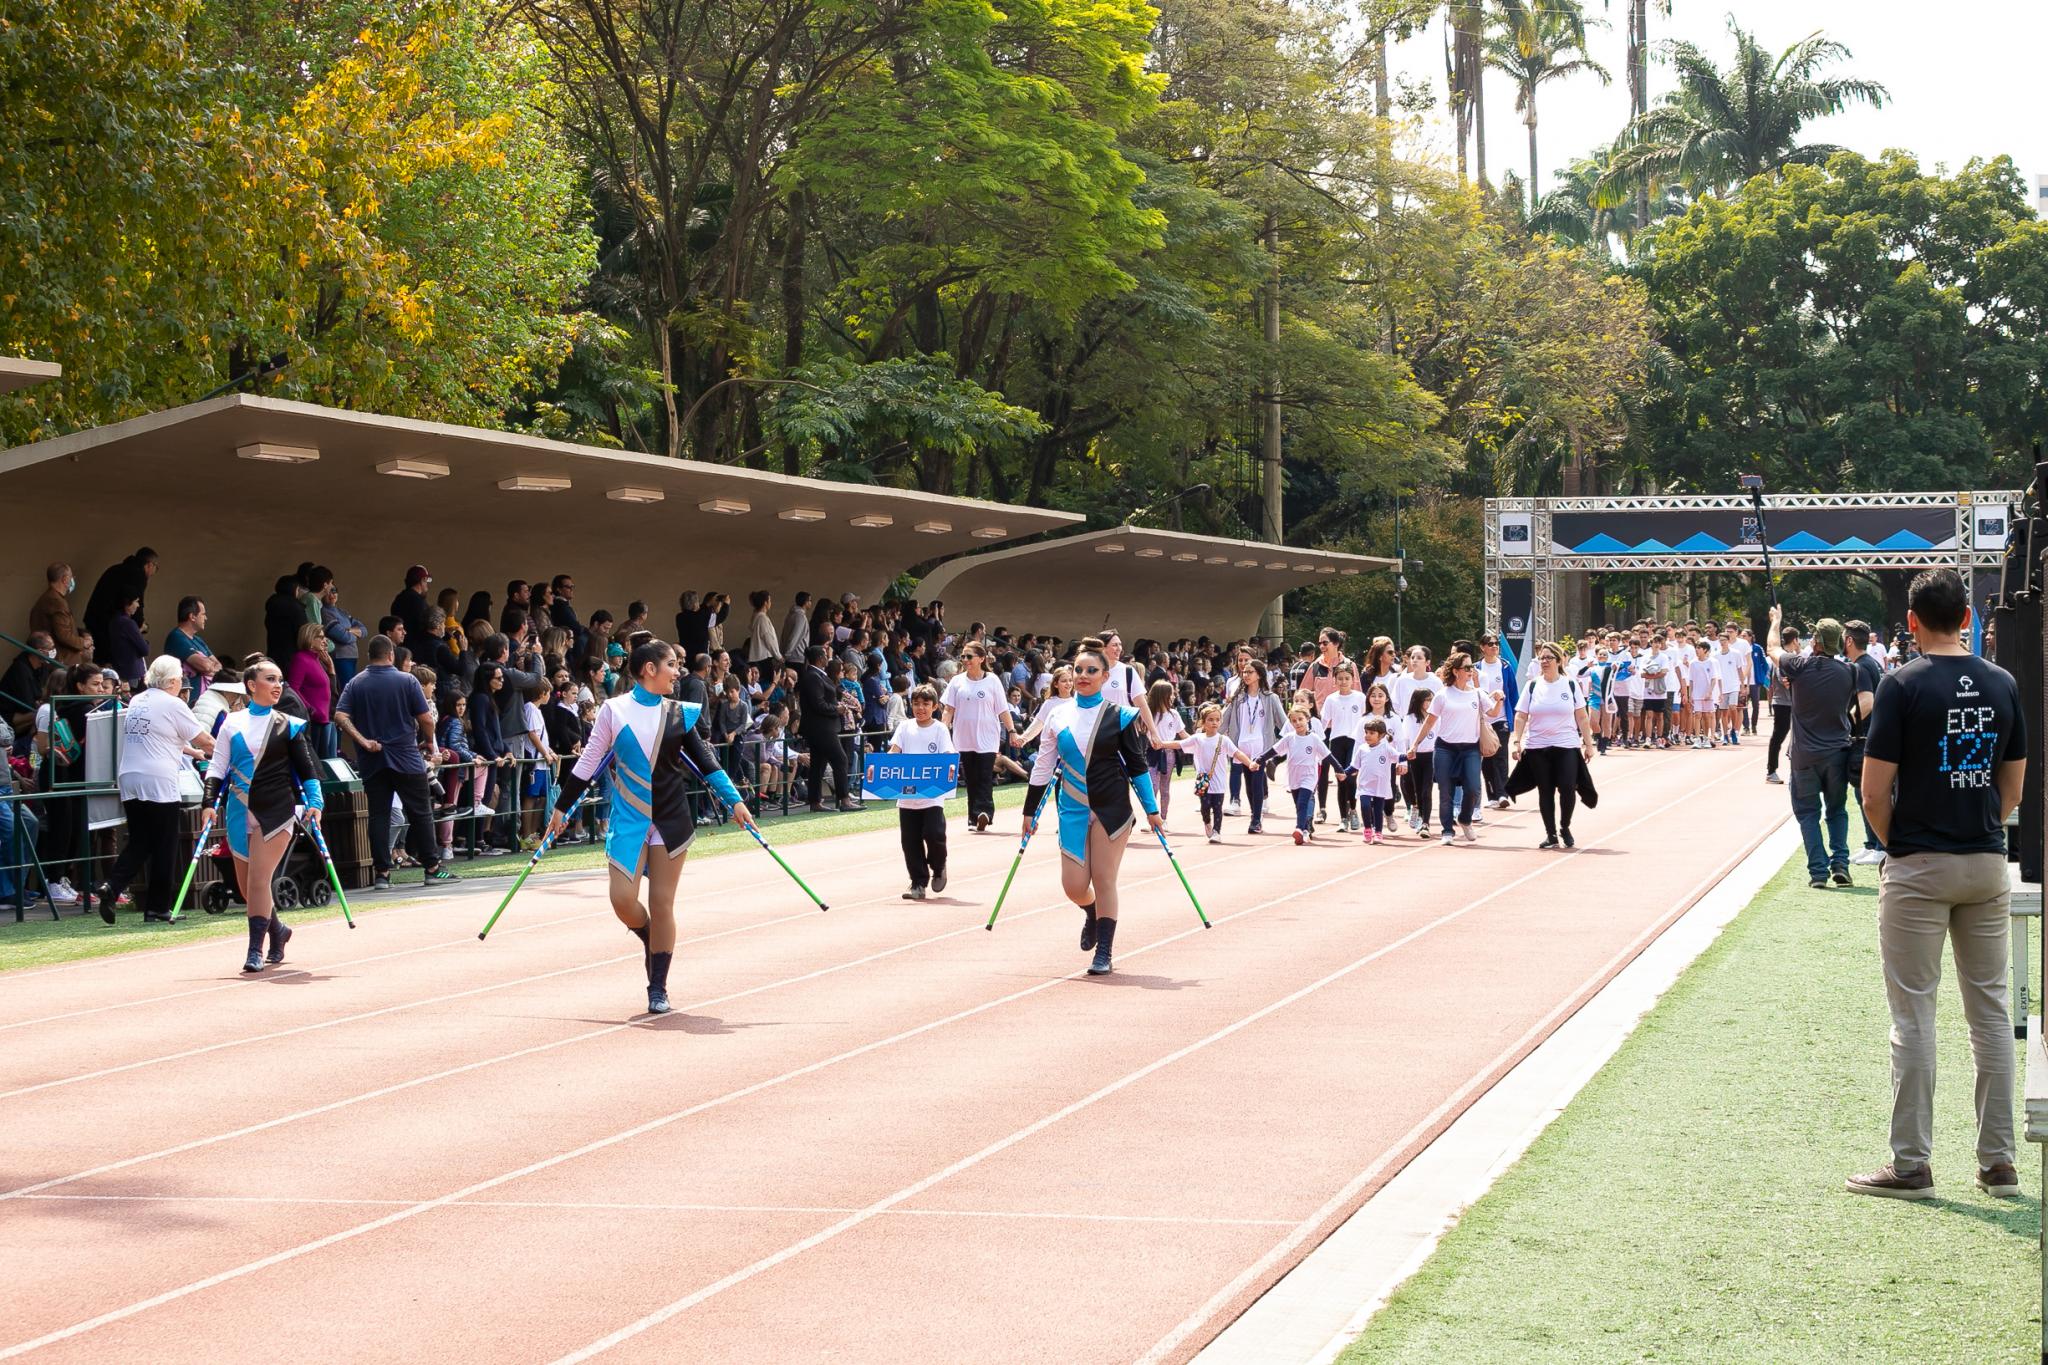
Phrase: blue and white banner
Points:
(893, 777)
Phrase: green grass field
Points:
(40, 941)
(1688, 1205)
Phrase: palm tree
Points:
(1573, 211)
(1535, 45)
(1721, 127)
(1464, 67)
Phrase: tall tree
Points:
(1723, 126)
(1535, 44)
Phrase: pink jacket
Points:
(309, 678)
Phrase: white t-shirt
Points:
(1409, 728)
(1123, 685)
(1491, 676)
(1729, 668)
(912, 738)
(1704, 676)
(1376, 764)
(1344, 714)
(1406, 685)
(978, 706)
(1552, 709)
(154, 731)
(1305, 755)
(1212, 756)
(1675, 661)
(1457, 711)
(1167, 724)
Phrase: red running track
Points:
(877, 1133)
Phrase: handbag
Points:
(1489, 738)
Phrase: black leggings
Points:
(1418, 784)
(1556, 769)
(1212, 810)
(1494, 771)
(1347, 783)
(1781, 726)
(924, 842)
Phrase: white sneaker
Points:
(1503, 804)
(1233, 809)
(1214, 837)
(1479, 815)
(1467, 835)
(483, 810)
(1447, 839)
(61, 893)
(1867, 857)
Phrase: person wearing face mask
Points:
(22, 685)
(1097, 751)
(658, 749)
(263, 765)
(52, 616)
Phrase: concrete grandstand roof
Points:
(16, 373)
(1147, 584)
(234, 491)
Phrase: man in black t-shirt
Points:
(1945, 759)
(1822, 689)
(1856, 644)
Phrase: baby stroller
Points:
(300, 879)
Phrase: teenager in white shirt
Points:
(1704, 689)
(1732, 663)
(921, 820)
(1418, 775)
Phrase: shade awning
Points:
(1147, 584)
(234, 491)
(16, 373)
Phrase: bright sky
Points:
(1964, 79)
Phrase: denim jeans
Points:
(1305, 809)
(1457, 769)
(1823, 786)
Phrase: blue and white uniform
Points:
(655, 745)
(1097, 750)
(264, 759)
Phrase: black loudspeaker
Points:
(2019, 651)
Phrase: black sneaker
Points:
(657, 1000)
(440, 875)
(1887, 1182)
(938, 881)
(280, 934)
(255, 962)
(1842, 877)
(1818, 883)
(381, 882)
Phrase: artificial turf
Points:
(39, 941)
(1688, 1204)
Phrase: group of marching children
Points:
(1354, 735)
(1672, 687)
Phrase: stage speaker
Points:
(2021, 642)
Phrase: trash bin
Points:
(346, 822)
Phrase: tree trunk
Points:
(1382, 96)
(792, 304)
(1478, 107)
(664, 349)
(1274, 624)
(1639, 86)
(1531, 121)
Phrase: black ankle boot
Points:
(1088, 927)
(646, 942)
(657, 982)
(280, 934)
(258, 929)
(1105, 936)
(106, 896)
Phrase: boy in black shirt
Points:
(1941, 772)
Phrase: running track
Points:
(874, 1134)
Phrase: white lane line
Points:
(609, 1029)
(458, 1196)
(911, 1191)
(1359, 1183)
(600, 1206)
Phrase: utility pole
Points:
(1400, 575)
(1273, 625)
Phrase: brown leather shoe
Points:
(1888, 1183)
(2001, 1180)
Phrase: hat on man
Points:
(1827, 636)
(417, 574)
